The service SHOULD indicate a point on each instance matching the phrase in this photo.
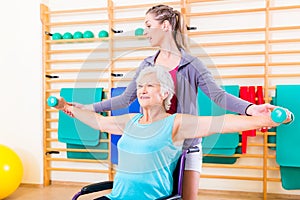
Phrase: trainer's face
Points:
(153, 30)
(148, 91)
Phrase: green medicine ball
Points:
(67, 35)
(139, 32)
(77, 35)
(103, 34)
(56, 36)
(88, 34)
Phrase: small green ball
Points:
(77, 35)
(67, 35)
(139, 32)
(88, 34)
(56, 36)
(103, 34)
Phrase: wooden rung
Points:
(210, 165)
(215, 32)
(283, 75)
(53, 24)
(77, 150)
(132, 19)
(52, 120)
(121, 79)
(77, 60)
(105, 90)
(77, 160)
(284, 7)
(235, 65)
(66, 51)
(231, 177)
(124, 69)
(76, 80)
(285, 63)
(128, 37)
(236, 155)
(75, 11)
(202, 1)
(284, 52)
(233, 43)
(76, 170)
(295, 40)
(284, 28)
(76, 70)
(52, 91)
(51, 129)
(253, 53)
(141, 48)
(274, 179)
(56, 140)
(81, 40)
(51, 110)
(137, 58)
(239, 76)
(225, 12)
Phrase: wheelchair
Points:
(177, 180)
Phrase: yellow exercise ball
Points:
(11, 171)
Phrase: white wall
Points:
(20, 84)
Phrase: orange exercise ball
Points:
(11, 171)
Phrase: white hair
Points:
(165, 81)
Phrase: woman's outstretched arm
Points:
(189, 126)
(112, 124)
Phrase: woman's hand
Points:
(61, 104)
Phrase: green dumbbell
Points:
(279, 115)
(52, 101)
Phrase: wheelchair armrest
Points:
(95, 187)
(171, 197)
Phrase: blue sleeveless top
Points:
(147, 159)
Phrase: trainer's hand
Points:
(259, 110)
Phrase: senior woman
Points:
(151, 141)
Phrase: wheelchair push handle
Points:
(52, 101)
(279, 115)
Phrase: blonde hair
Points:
(165, 81)
(164, 12)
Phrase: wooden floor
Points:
(65, 191)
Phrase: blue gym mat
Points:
(90, 155)
(77, 135)
(290, 177)
(71, 130)
(288, 137)
(220, 144)
(134, 107)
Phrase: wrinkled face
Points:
(149, 91)
(154, 30)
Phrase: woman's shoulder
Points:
(190, 60)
